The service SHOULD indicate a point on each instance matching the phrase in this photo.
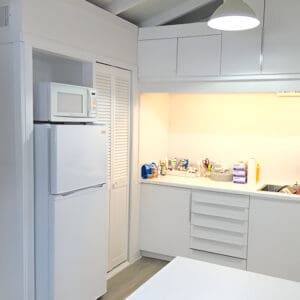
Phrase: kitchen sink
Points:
(271, 188)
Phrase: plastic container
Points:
(240, 172)
(239, 180)
(146, 170)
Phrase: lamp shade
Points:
(233, 15)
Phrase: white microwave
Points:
(56, 102)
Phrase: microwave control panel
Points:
(93, 104)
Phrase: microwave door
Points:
(78, 157)
(70, 104)
(69, 101)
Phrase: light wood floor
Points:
(128, 280)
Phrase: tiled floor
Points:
(128, 280)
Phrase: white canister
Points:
(252, 171)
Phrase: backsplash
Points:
(227, 128)
(278, 156)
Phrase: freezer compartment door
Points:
(78, 157)
(78, 245)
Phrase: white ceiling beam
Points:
(174, 13)
(118, 6)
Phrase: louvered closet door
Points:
(113, 89)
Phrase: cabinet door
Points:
(274, 238)
(164, 220)
(157, 58)
(199, 56)
(241, 51)
(113, 109)
(281, 43)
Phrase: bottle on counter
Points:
(252, 171)
(163, 168)
(257, 172)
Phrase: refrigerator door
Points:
(78, 157)
(78, 245)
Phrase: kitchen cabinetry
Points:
(281, 43)
(274, 237)
(199, 56)
(164, 220)
(219, 224)
(157, 58)
(203, 225)
(241, 51)
(270, 49)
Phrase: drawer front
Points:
(218, 247)
(226, 199)
(217, 210)
(221, 223)
(239, 239)
(213, 258)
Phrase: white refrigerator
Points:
(71, 209)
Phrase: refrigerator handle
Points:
(83, 189)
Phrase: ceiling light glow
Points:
(233, 15)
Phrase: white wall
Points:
(12, 33)
(83, 26)
(16, 193)
(154, 127)
(230, 127)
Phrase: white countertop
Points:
(203, 183)
(189, 279)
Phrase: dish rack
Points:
(182, 174)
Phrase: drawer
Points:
(236, 213)
(218, 235)
(219, 223)
(226, 199)
(213, 258)
(218, 247)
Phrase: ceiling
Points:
(146, 13)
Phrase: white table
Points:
(187, 279)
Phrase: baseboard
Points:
(117, 269)
(135, 257)
(156, 256)
(141, 254)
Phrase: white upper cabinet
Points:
(241, 51)
(157, 58)
(281, 42)
(199, 56)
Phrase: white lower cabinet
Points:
(202, 225)
(218, 259)
(219, 223)
(165, 220)
(274, 237)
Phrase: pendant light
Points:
(233, 15)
